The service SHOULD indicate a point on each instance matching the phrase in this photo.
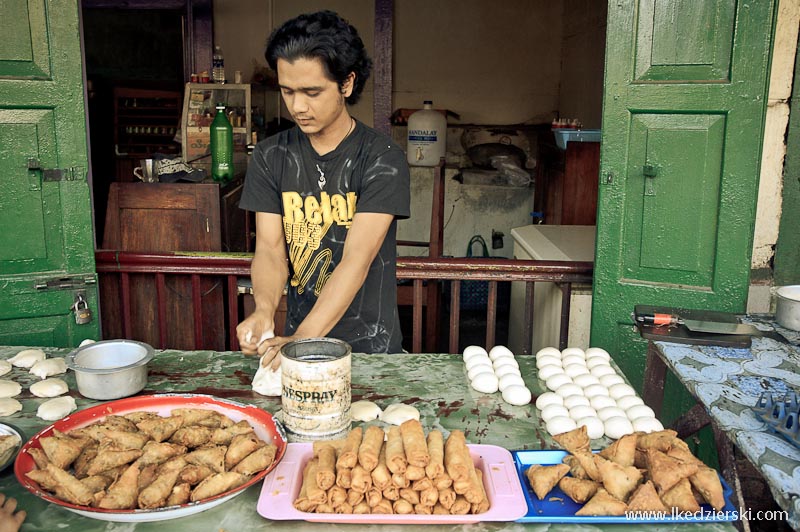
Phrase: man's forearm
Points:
(268, 275)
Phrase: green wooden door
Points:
(683, 116)
(46, 243)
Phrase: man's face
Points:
(314, 100)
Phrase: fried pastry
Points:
(370, 448)
(414, 443)
(158, 452)
(156, 494)
(110, 458)
(348, 454)
(395, 454)
(191, 436)
(586, 461)
(621, 451)
(680, 496)
(180, 494)
(68, 487)
(160, 428)
(646, 499)
(258, 460)
(706, 481)
(577, 489)
(61, 451)
(122, 493)
(544, 478)
(223, 436)
(218, 483)
(661, 440)
(212, 457)
(574, 441)
(618, 480)
(667, 471)
(602, 503)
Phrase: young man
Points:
(327, 194)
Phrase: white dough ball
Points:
(517, 395)
(5, 367)
(620, 390)
(581, 411)
(571, 401)
(480, 368)
(86, 342)
(637, 411)
(548, 398)
(506, 370)
(485, 382)
(498, 351)
(609, 412)
(548, 371)
(572, 359)
(552, 351)
(611, 379)
(565, 390)
(594, 427)
(512, 380)
(548, 361)
(573, 370)
(601, 401)
(9, 388)
(52, 387)
(398, 413)
(573, 351)
(553, 410)
(599, 371)
(365, 411)
(617, 427)
(9, 406)
(27, 358)
(646, 424)
(597, 352)
(557, 381)
(627, 401)
(585, 380)
(472, 350)
(476, 360)
(593, 362)
(595, 389)
(560, 424)
(48, 367)
(504, 361)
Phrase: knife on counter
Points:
(705, 326)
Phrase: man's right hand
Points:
(253, 331)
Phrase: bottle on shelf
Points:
(221, 147)
(218, 66)
(427, 129)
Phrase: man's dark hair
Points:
(328, 37)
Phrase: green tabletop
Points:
(435, 384)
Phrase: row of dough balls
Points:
(496, 370)
(37, 363)
(586, 390)
(394, 414)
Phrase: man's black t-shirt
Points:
(317, 196)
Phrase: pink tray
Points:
(503, 488)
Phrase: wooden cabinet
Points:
(157, 217)
(567, 181)
(145, 122)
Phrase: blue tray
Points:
(557, 507)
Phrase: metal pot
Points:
(787, 311)
(110, 369)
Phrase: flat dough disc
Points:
(365, 411)
(49, 388)
(397, 413)
(9, 388)
(9, 406)
(48, 367)
(57, 408)
(27, 358)
(5, 367)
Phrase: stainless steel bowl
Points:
(787, 309)
(110, 369)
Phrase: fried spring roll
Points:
(122, 493)
(483, 505)
(383, 507)
(337, 496)
(354, 497)
(240, 447)
(348, 453)
(39, 457)
(194, 474)
(224, 436)
(96, 483)
(361, 480)
(415, 472)
(422, 484)
(438, 509)
(370, 448)
(344, 508)
(258, 460)
(157, 453)
(391, 492)
(60, 451)
(121, 439)
(180, 494)
(381, 476)
(155, 495)
(471, 489)
(344, 477)
(216, 484)
(395, 454)
(326, 477)
(457, 459)
(400, 480)
(402, 506)
(43, 478)
(313, 492)
(324, 508)
(301, 503)
(213, 457)
(373, 496)
(447, 497)
(422, 509)
(460, 506)
(409, 495)
(109, 459)
(147, 475)
(362, 508)
(435, 467)
(414, 443)
(429, 496)
(191, 436)
(443, 481)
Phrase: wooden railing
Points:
(230, 268)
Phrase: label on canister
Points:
(315, 387)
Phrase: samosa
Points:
(574, 441)
(544, 478)
(122, 493)
(618, 480)
(680, 496)
(646, 499)
(667, 471)
(577, 489)
(660, 440)
(602, 503)
(706, 481)
(160, 428)
(622, 451)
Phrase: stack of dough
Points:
(496, 370)
(406, 474)
(587, 391)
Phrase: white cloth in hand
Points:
(266, 380)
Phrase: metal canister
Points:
(315, 382)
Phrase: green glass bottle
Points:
(221, 147)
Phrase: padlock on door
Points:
(83, 314)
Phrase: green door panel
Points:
(25, 48)
(684, 40)
(46, 228)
